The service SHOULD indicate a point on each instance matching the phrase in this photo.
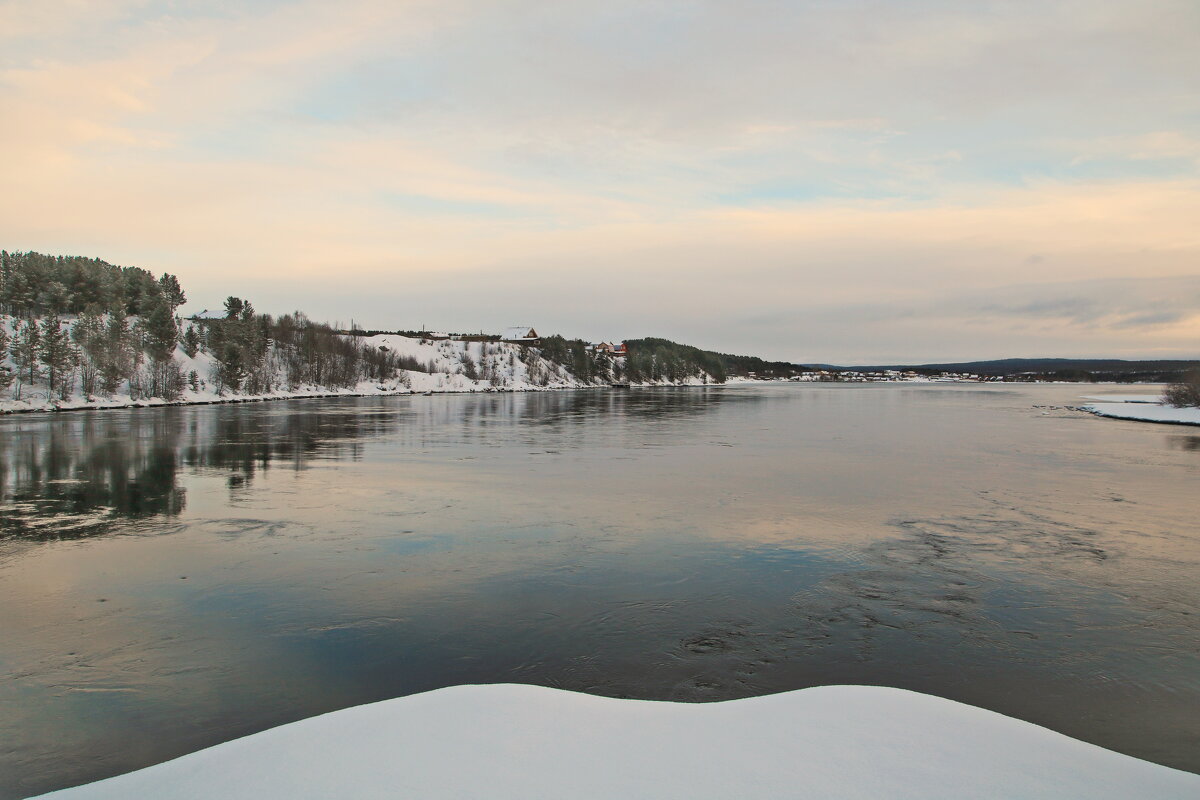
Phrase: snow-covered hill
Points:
(427, 366)
(439, 366)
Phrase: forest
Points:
(125, 328)
(73, 325)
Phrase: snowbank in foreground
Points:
(508, 741)
(1144, 411)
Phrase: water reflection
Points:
(71, 480)
(73, 476)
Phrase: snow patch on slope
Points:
(509, 367)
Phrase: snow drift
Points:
(511, 741)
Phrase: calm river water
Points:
(178, 577)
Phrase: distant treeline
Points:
(1084, 370)
(746, 365)
(303, 352)
(574, 356)
(103, 350)
(653, 359)
(658, 359)
(37, 285)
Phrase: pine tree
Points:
(25, 349)
(161, 330)
(88, 334)
(171, 290)
(6, 376)
(162, 333)
(56, 351)
(231, 365)
(190, 341)
(117, 362)
(55, 298)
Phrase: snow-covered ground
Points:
(511, 741)
(510, 369)
(445, 367)
(1144, 412)
(1141, 407)
(1125, 398)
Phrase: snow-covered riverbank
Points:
(1141, 408)
(438, 366)
(513, 741)
(447, 367)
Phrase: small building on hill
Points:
(521, 334)
(208, 316)
(610, 349)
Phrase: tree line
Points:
(653, 359)
(257, 353)
(125, 332)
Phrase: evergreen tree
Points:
(162, 333)
(6, 376)
(231, 365)
(117, 363)
(160, 329)
(56, 352)
(55, 298)
(190, 341)
(26, 348)
(88, 334)
(172, 292)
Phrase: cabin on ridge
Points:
(610, 349)
(521, 334)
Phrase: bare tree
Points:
(1184, 393)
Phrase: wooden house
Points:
(521, 334)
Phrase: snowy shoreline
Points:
(520, 741)
(446, 367)
(121, 404)
(1141, 408)
(12, 407)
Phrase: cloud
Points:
(675, 168)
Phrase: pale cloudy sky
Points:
(850, 181)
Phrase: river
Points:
(172, 578)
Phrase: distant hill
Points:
(1096, 369)
(654, 357)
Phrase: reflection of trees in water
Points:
(68, 477)
(73, 475)
(244, 440)
(1185, 442)
(578, 418)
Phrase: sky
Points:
(848, 181)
